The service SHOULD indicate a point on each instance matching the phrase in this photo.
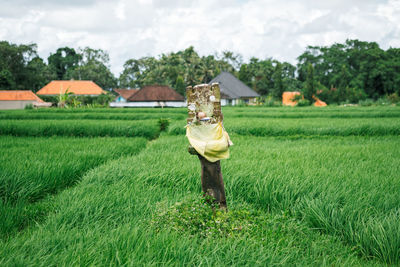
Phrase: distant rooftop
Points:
(75, 87)
(126, 93)
(156, 93)
(231, 87)
(18, 95)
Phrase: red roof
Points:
(126, 93)
(75, 87)
(156, 93)
(18, 95)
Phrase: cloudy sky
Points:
(261, 28)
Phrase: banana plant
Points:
(63, 98)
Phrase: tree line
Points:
(349, 71)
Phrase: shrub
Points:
(52, 99)
(270, 101)
(353, 95)
(200, 216)
(394, 98)
(366, 103)
(28, 106)
(163, 123)
(383, 101)
(303, 103)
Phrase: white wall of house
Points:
(237, 101)
(15, 104)
(149, 104)
(229, 102)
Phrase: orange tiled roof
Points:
(75, 87)
(319, 103)
(15, 95)
(287, 98)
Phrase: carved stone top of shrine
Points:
(204, 98)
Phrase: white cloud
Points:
(260, 28)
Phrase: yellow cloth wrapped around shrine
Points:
(209, 140)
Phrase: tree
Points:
(310, 84)
(180, 85)
(278, 81)
(174, 69)
(21, 68)
(93, 65)
(363, 66)
(245, 75)
(64, 60)
(40, 73)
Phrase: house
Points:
(288, 98)
(19, 99)
(233, 90)
(124, 94)
(153, 96)
(86, 88)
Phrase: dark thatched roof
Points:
(156, 93)
(232, 88)
(126, 93)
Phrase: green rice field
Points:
(100, 187)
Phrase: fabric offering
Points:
(209, 140)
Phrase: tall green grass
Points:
(307, 126)
(33, 168)
(181, 113)
(326, 183)
(80, 128)
(106, 220)
(88, 116)
(344, 186)
(109, 110)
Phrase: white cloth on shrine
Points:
(209, 140)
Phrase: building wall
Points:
(149, 104)
(229, 102)
(17, 104)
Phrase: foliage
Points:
(28, 106)
(298, 97)
(21, 68)
(305, 125)
(366, 103)
(394, 98)
(84, 113)
(51, 99)
(90, 128)
(93, 65)
(106, 218)
(303, 103)
(200, 216)
(346, 72)
(63, 60)
(355, 64)
(63, 98)
(49, 166)
(270, 101)
(277, 78)
(310, 88)
(175, 69)
(323, 195)
(163, 123)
